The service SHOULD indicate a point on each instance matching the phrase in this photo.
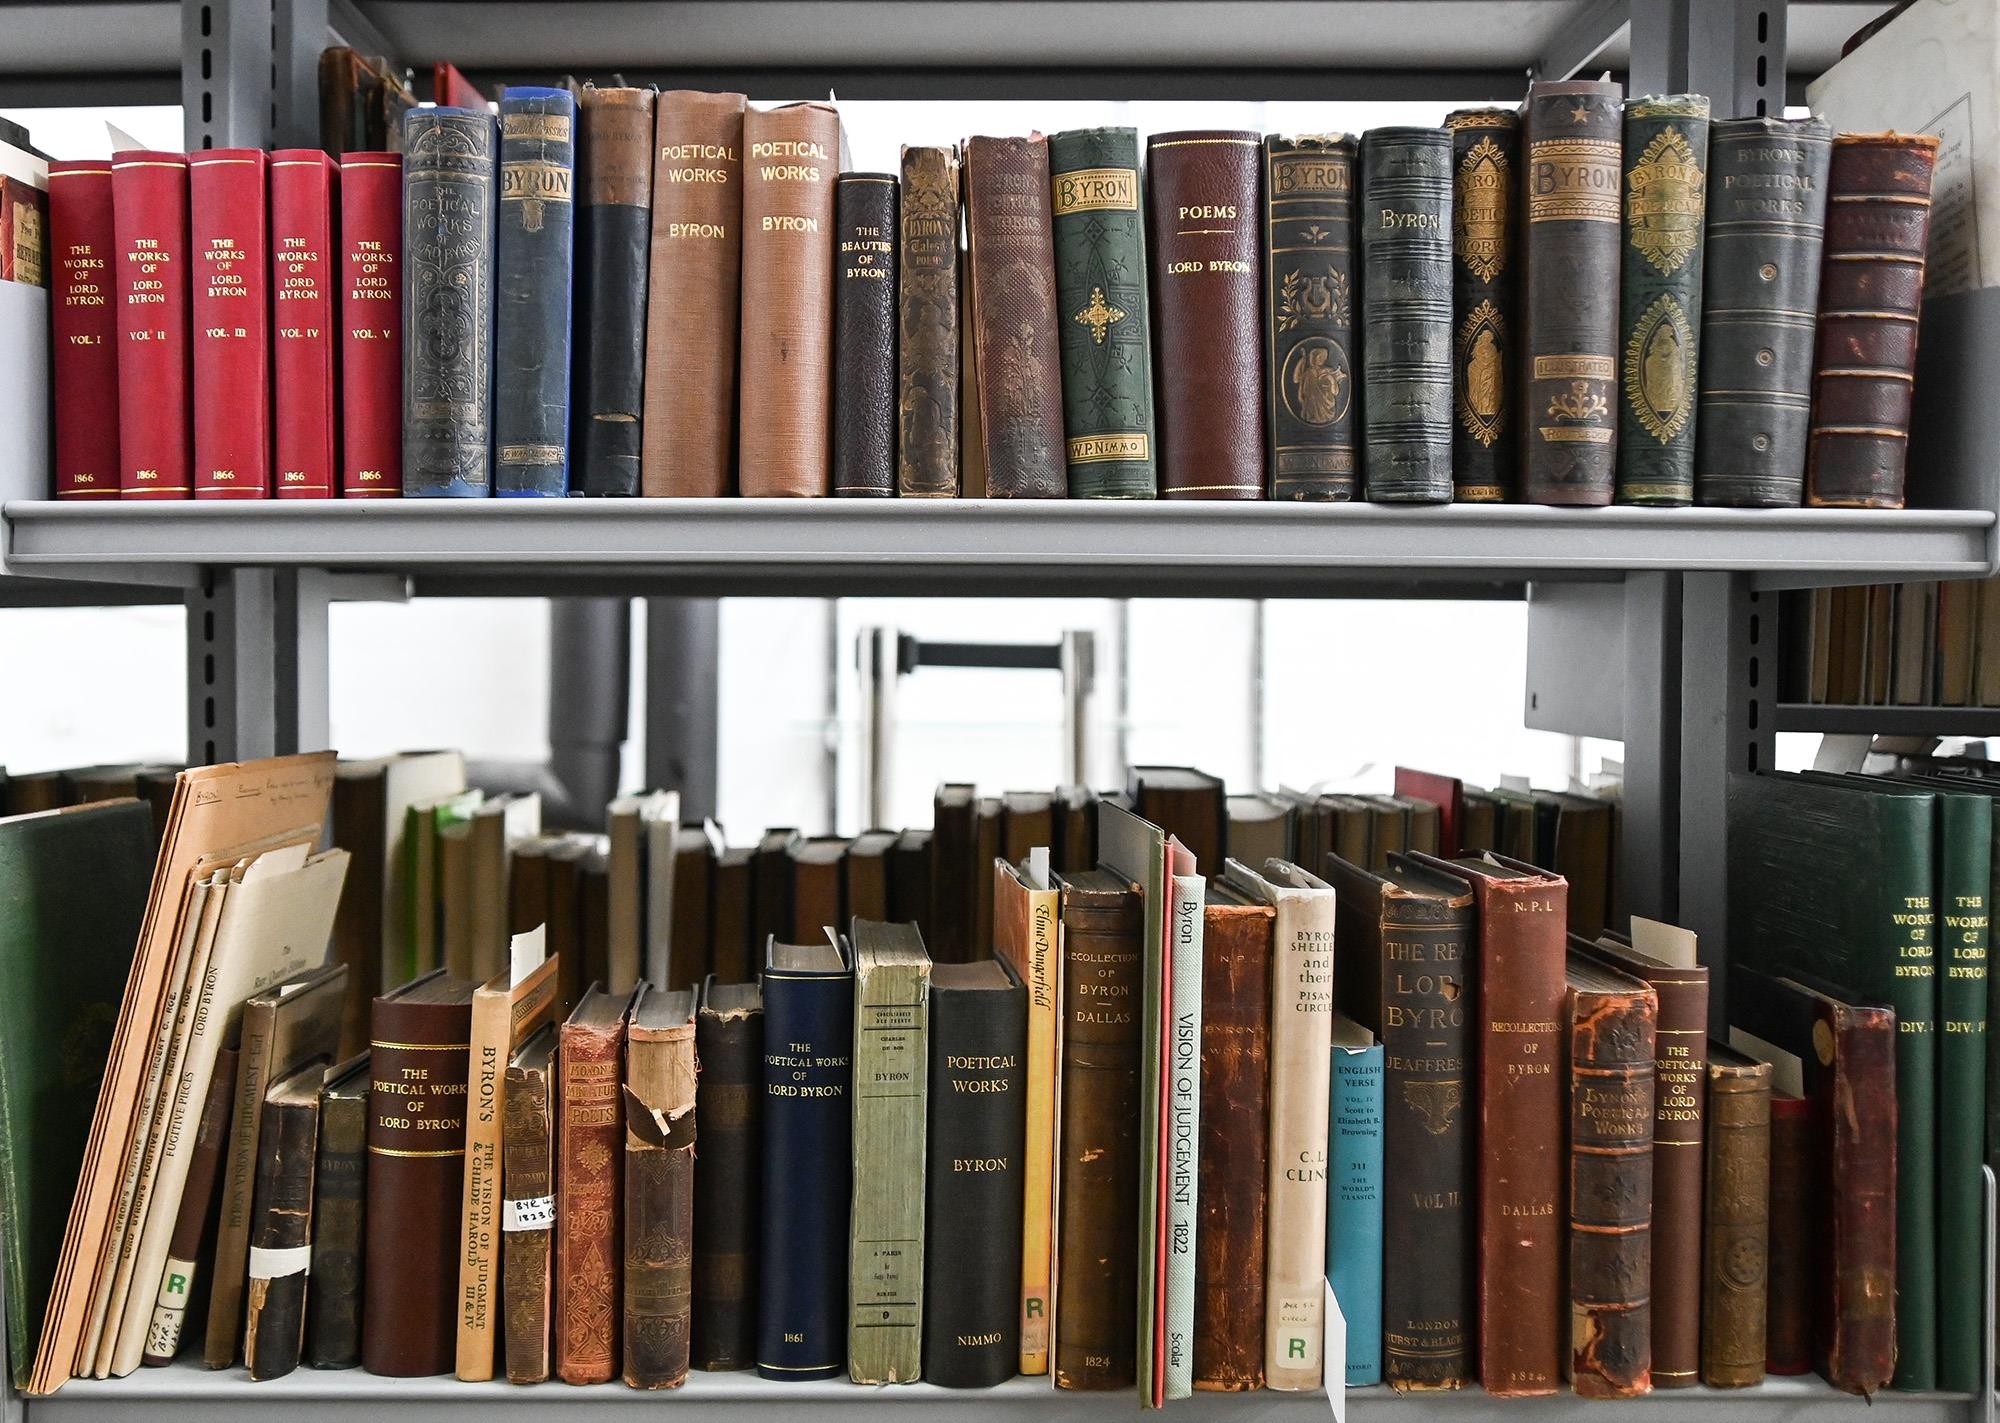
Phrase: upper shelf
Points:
(978, 547)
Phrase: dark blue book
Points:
(449, 183)
(808, 1161)
(531, 323)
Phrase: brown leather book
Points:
(864, 876)
(1012, 261)
(927, 326)
(1680, 1066)
(1794, 1264)
(815, 866)
(1204, 196)
(281, 1234)
(771, 891)
(954, 862)
(340, 1192)
(1871, 290)
(1610, 1023)
(729, 1044)
(1075, 847)
(1027, 819)
(421, 1042)
(985, 849)
(1235, 1137)
(688, 949)
(528, 1187)
(659, 1187)
(1521, 1118)
(729, 948)
(590, 1139)
(1188, 804)
(792, 156)
(692, 295)
(1097, 1210)
(910, 882)
(1737, 1223)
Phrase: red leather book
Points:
(371, 326)
(453, 90)
(1793, 1257)
(149, 193)
(590, 1139)
(229, 312)
(86, 329)
(302, 361)
(1447, 793)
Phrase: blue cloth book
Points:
(808, 1161)
(1354, 1195)
(532, 318)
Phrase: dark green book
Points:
(1666, 201)
(1309, 311)
(1833, 879)
(1107, 364)
(1405, 240)
(75, 880)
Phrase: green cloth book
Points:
(1833, 878)
(73, 887)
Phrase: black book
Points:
(954, 866)
(729, 1045)
(1406, 305)
(910, 881)
(340, 1192)
(771, 890)
(978, 1117)
(864, 335)
(614, 233)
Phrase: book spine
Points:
(793, 157)
(1964, 881)
(1354, 1207)
(614, 220)
(1795, 1222)
(333, 1303)
(864, 335)
(479, 1211)
(527, 1221)
(448, 235)
(1735, 1277)
(1183, 1132)
(1105, 328)
(1485, 282)
(1760, 300)
(927, 326)
(1235, 1142)
(533, 252)
(1907, 920)
(728, 1101)
(419, 1060)
(1406, 304)
(807, 1159)
(304, 351)
(1042, 975)
(589, 1143)
(1858, 1340)
(660, 1130)
(152, 295)
(1204, 198)
(1871, 291)
(281, 1244)
(1017, 368)
(1295, 1189)
(1521, 1117)
(692, 295)
(1610, 1192)
(1098, 1242)
(230, 318)
(371, 338)
(1680, 1069)
(979, 1045)
(163, 1335)
(1573, 181)
(84, 364)
(886, 1258)
(1666, 198)
(1309, 394)
(237, 1196)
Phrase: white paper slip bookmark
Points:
(528, 1213)
(525, 953)
(1333, 1364)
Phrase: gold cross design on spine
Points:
(1099, 316)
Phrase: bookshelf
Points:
(1686, 678)
(1890, 721)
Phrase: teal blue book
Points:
(1354, 1195)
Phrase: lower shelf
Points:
(187, 1393)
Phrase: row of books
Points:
(592, 293)
(1895, 644)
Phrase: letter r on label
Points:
(1295, 1348)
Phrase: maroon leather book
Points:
(371, 325)
(1447, 793)
(1793, 1262)
(302, 355)
(85, 358)
(230, 315)
(150, 257)
(1203, 192)
(590, 1139)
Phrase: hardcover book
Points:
(527, 1208)
(927, 318)
(1027, 936)
(729, 1092)
(1180, 1125)
(1185, 803)
(84, 345)
(590, 1052)
(281, 1224)
(1795, 1215)
(304, 351)
(1309, 296)
(1354, 1195)
(1101, 294)
(864, 335)
(533, 255)
(1406, 303)
(660, 1141)
(340, 1191)
(1485, 291)
(229, 239)
(614, 219)
(151, 295)
(1736, 1220)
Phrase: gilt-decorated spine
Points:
(527, 1145)
(84, 360)
(1485, 290)
(371, 336)
(151, 290)
(1406, 299)
(614, 223)
(449, 179)
(1571, 246)
(864, 335)
(533, 260)
(927, 326)
(229, 243)
(1734, 1277)
(1105, 326)
(1666, 199)
(589, 1174)
(1309, 300)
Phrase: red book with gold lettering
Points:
(149, 194)
(86, 329)
(371, 327)
(590, 1152)
(302, 361)
(230, 315)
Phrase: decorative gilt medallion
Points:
(1099, 316)
(1312, 296)
(1481, 377)
(1317, 385)
(1435, 1102)
(1479, 212)
(1659, 369)
(1666, 193)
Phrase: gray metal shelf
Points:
(837, 546)
(1890, 721)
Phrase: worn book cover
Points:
(533, 265)
(333, 1303)
(450, 183)
(589, 1180)
(660, 1127)
(614, 219)
(1736, 1219)
(1405, 243)
(729, 1099)
(1486, 193)
(1310, 395)
(528, 1206)
(927, 318)
(281, 1224)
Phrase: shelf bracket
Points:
(226, 88)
